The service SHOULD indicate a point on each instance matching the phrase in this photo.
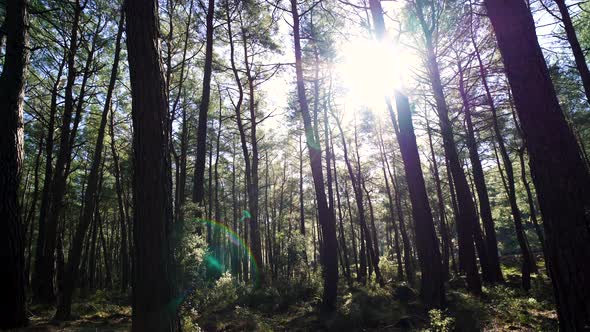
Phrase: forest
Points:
(295, 165)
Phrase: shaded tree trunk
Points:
(559, 172)
(45, 291)
(199, 176)
(90, 198)
(431, 281)
(153, 289)
(577, 51)
(467, 215)
(12, 88)
(491, 270)
(326, 216)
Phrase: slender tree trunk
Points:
(431, 282)
(124, 248)
(432, 289)
(253, 185)
(32, 211)
(444, 230)
(90, 198)
(12, 89)
(325, 215)
(341, 219)
(491, 270)
(467, 217)
(46, 272)
(153, 289)
(579, 56)
(199, 176)
(37, 282)
(559, 172)
(398, 253)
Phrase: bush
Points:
(440, 322)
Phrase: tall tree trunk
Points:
(153, 290)
(45, 292)
(32, 211)
(37, 282)
(432, 288)
(467, 215)
(90, 199)
(431, 281)
(12, 89)
(400, 270)
(559, 172)
(199, 176)
(123, 219)
(325, 215)
(491, 270)
(444, 229)
(340, 218)
(253, 185)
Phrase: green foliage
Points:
(440, 321)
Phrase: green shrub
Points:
(440, 321)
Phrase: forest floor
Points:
(370, 308)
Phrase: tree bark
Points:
(12, 89)
(559, 172)
(431, 282)
(153, 290)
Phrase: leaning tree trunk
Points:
(153, 290)
(45, 292)
(431, 285)
(326, 216)
(494, 274)
(12, 89)
(559, 172)
(579, 56)
(90, 197)
(467, 220)
(431, 282)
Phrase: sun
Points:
(370, 70)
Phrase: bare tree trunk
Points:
(45, 288)
(444, 229)
(12, 88)
(467, 217)
(153, 289)
(431, 282)
(559, 172)
(491, 270)
(199, 176)
(325, 215)
(90, 196)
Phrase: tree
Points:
(326, 215)
(572, 39)
(199, 176)
(559, 172)
(467, 221)
(12, 88)
(90, 198)
(431, 285)
(153, 299)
